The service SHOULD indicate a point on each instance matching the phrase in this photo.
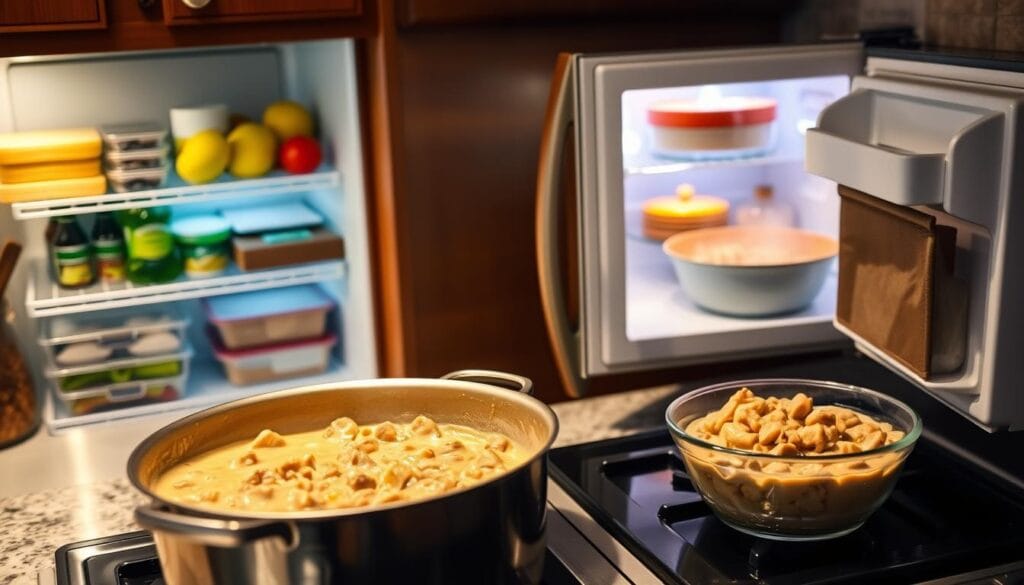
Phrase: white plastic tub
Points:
(733, 126)
(277, 362)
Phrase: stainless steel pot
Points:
(490, 533)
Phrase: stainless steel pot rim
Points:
(543, 409)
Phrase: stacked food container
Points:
(109, 360)
(49, 164)
(136, 156)
(268, 335)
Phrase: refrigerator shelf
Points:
(43, 298)
(206, 387)
(178, 192)
(649, 164)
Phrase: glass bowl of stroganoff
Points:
(791, 459)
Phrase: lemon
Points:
(252, 150)
(203, 157)
(287, 118)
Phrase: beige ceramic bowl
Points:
(751, 271)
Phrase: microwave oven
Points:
(908, 162)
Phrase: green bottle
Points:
(152, 256)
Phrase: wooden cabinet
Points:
(217, 11)
(51, 15)
(134, 25)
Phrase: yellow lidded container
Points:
(670, 214)
(47, 146)
(50, 171)
(38, 190)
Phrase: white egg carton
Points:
(121, 334)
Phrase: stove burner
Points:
(941, 519)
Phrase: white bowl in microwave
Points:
(751, 271)
(730, 126)
(265, 317)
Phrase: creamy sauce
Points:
(343, 466)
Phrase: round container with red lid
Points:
(729, 126)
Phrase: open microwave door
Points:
(633, 313)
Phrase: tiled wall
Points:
(976, 24)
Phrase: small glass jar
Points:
(205, 244)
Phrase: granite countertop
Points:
(35, 525)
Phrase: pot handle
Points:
(214, 532)
(499, 379)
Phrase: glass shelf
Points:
(650, 164)
(178, 192)
(44, 298)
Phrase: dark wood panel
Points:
(133, 28)
(45, 15)
(468, 106)
(226, 11)
(432, 12)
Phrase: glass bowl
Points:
(799, 497)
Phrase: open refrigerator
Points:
(633, 314)
(92, 90)
(904, 159)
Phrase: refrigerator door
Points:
(633, 313)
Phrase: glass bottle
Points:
(151, 255)
(108, 245)
(764, 209)
(71, 254)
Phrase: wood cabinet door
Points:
(217, 11)
(50, 15)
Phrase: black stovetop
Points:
(131, 559)
(943, 518)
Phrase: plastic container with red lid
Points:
(720, 128)
(292, 359)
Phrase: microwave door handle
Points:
(549, 215)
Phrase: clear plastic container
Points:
(266, 317)
(138, 179)
(78, 340)
(277, 362)
(138, 136)
(110, 372)
(130, 160)
(123, 395)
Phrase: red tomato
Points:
(299, 154)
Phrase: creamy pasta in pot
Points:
(343, 466)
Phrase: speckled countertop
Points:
(34, 525)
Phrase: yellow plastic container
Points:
(82, 187)
(40, 146)
(50, 171)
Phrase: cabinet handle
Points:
(196, 4)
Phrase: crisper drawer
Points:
(123, 371)
(96, 338)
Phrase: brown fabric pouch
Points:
(896, 284)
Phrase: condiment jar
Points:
(765, 209)
(671, 214)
